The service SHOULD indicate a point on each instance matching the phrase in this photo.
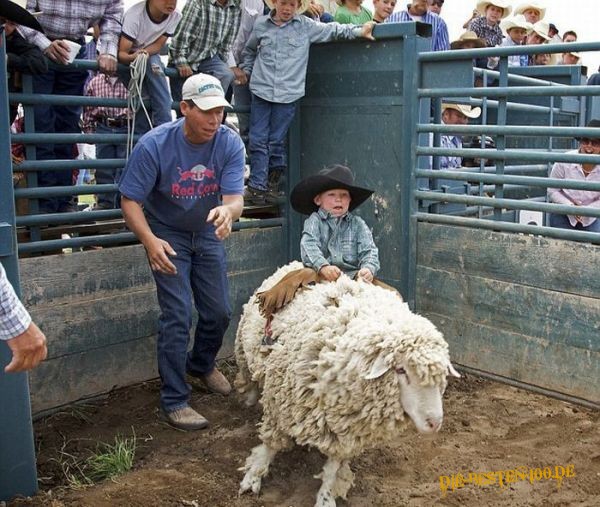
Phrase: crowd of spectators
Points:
(231, 40)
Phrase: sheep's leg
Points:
(337, 479)
(257, 466)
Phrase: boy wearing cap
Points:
(487, 25)
(531, 11)
(455, 114)
(516, 29)
(189, 177)
(275, 58)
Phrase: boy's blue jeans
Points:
(201, 275)
(104, 176)
(269, 124)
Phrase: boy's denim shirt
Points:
(345, 242)
(276, 57)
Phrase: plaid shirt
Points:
(14, 319)
(440, 40)
(452, 142)
(206, 29)
(101, 86)
(345, 242)
(492, 35)
(70, 19)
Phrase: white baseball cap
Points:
(205, 91)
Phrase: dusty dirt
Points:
(488, 427)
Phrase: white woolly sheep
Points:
(349, 361)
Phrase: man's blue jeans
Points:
(201, 276)
(562, 222)
(60, 119)
(109, 176)
(269, 124)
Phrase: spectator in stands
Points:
(553, 33)
(516, 29)
(541, 59)
(382, 9)
(189, 177)
(569, 36)
(594, 78)
(435, 6)
(62, 21)
(202, 42)
(537, 35)
(21, 56)
(146, 27)
(571, 59)
(106, 120)
(532, 11)
(330, 6)
(317, 12)
(251, 10)
(487, 25)
(570, 197)
(417, 11)
(352, 12)
(283, 36)
(455, 114)
(469, 40)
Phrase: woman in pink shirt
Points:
(580, 172)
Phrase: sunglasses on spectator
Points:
(587, 140)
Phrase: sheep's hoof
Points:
(325, 499)
(250, 482)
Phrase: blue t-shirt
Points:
(179, 182)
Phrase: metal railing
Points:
(488, 189)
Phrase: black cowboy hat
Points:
(592, 124)
(336, 176)
(16, 12)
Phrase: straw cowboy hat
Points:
(16, 12)
(468, 39)
(301, 8)
(517, 21)
(531, 5)
(468, 111)
(541, 28)
(482, 6)
(336, 176)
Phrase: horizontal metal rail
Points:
(513, 91)
(525, 156)
(465, 54)
(513, 78)
(72, 138)
(516, 204)
(510, 130)
(478, 223)
(77, 217)
(41, 192)
(69, 165)
(530, 181)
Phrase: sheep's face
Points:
(422, 403)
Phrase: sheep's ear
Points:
(378, 368)
(452, 371)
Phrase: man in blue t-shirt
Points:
(182, 189)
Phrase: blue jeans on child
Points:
(109, 176)
(201, 274)
(562, 222)
(269, 124)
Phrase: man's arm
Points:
(222, 217)
(157, 250)
(24, 338)
(108, 42)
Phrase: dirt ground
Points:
(488, 427)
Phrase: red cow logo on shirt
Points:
(194, 183)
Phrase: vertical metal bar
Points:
(293, 222)
(501, 139)
(436, 105)
(17, 455)
(484, 116)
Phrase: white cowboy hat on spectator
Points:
(16, 12)
(541, 28)
(468, 111)
(531, 5)
(468, 39)
(301, 8)
(518, 21)
(205, 91)
(482, 6)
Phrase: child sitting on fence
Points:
(334, 240)
(275, 58)
(146, 27)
